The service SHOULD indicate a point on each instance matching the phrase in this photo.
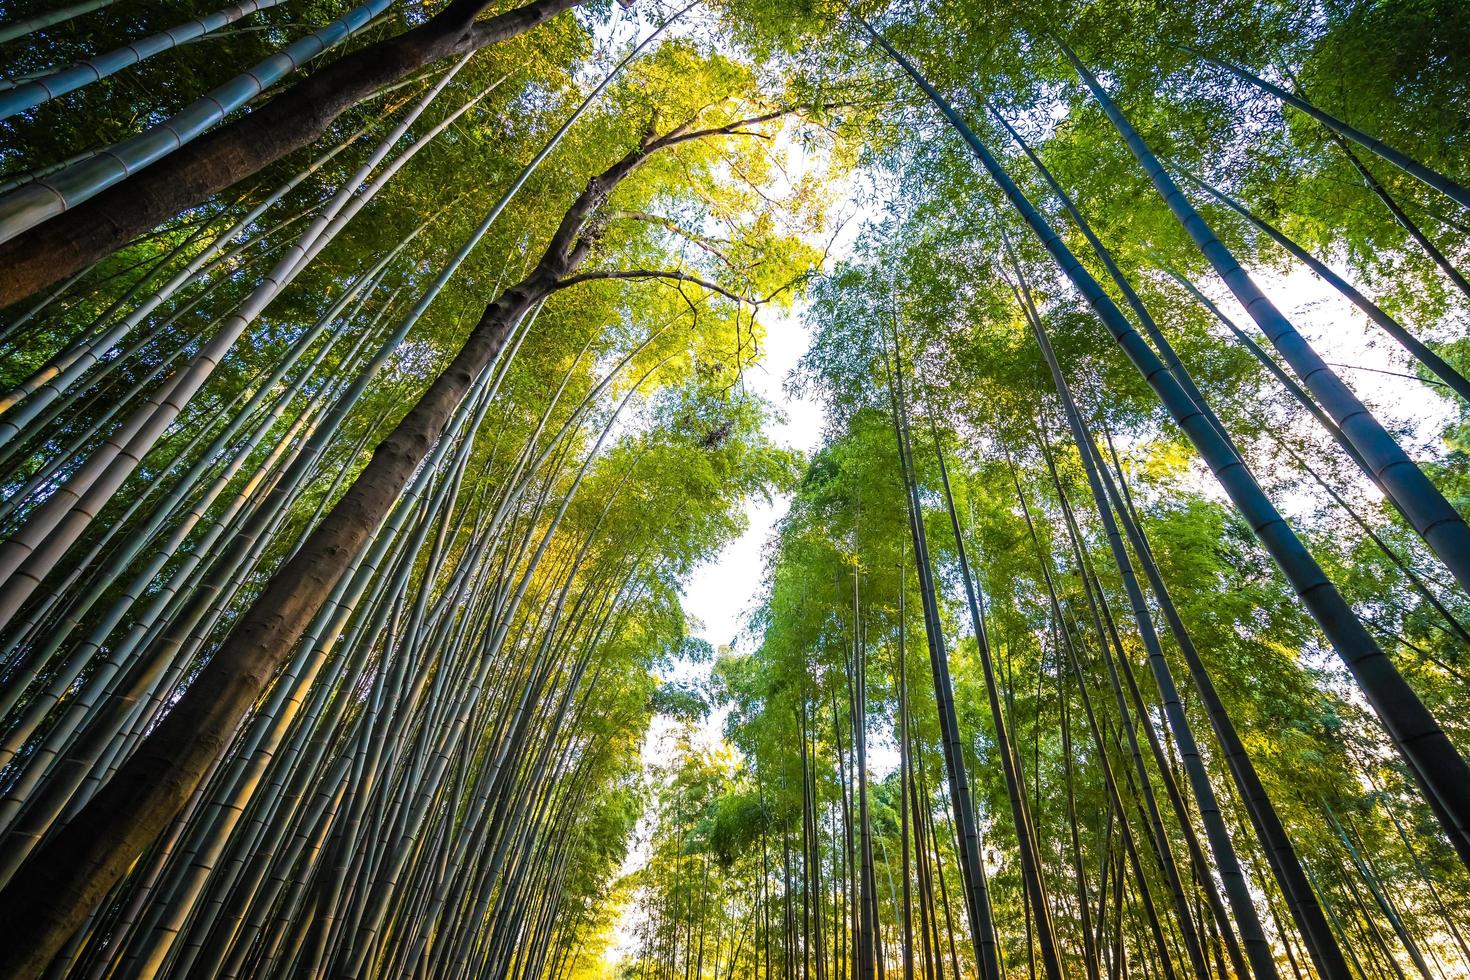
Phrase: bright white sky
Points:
(723, 591)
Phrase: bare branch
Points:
(646, 274)
(736, 128)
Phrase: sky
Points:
(722, 591)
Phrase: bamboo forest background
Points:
(377, 377)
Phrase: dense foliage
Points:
(358, 444)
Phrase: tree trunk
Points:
(55, 891)
(194, 173)
(1015, 789)
(977, 897)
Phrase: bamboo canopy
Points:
(382, 380)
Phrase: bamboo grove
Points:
(377, 375)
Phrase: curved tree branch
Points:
(647, 274)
